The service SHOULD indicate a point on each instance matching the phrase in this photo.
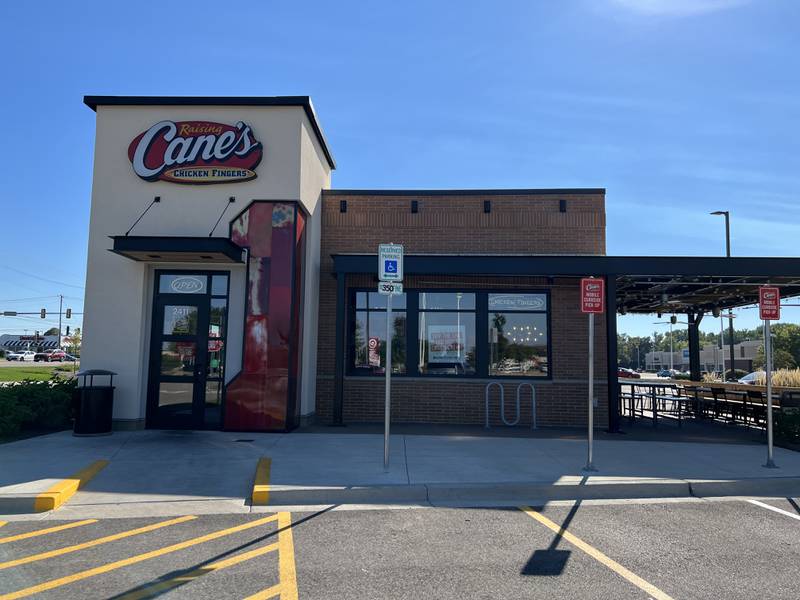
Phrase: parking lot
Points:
(607, 549)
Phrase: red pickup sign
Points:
(769, 303)
(593, 295)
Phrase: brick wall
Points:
(519, 223)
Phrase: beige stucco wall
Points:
(118, 290)
(315, 175)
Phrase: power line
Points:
(28, 299)
(80, 287)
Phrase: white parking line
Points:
(774, 509)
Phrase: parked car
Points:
(622, 372)
(666, 373)
(21, 355)
(751, 378)
(50, 355)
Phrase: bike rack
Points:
(503, 404)
(533, 401)
(486, 400)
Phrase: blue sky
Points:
(677, 107)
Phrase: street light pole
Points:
(671, 351)
(727, 216)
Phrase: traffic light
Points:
(43, 313)
(673, 319)
(69, 313)
(67, 330)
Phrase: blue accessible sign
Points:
(390, 262)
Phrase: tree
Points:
(52, 331)
(73, 342)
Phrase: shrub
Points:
(781, 378)
(36, 405)
(787, 427)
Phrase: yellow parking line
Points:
(169, 584)
(92, 543)
(647, 587)
(3, 523)
(287, 588)
(63, 490)
(38, 532)
(260, 496)
(61, 581)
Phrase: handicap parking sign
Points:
(390, 262)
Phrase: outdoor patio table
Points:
(651, 394)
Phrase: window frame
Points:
(546, 312)
(481, 312)
(350, 346)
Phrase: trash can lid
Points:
(89, 372)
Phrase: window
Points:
(451, 333)
(518, 339)
(446, 333)
(369, 334)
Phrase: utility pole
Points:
(60, 307)
(727, 216)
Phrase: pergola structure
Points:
(690, 285)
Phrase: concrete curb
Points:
(445, 493)
(367, 494)
(785, 487)
(51, 498)
(523, 492)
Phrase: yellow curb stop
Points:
(260, 495)
(62, 491)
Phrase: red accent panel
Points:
(258, 398)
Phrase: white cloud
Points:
(676, 8)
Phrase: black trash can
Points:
(94, 403)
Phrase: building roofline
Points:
(469, 192)
(303, 102)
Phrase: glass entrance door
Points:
(187, 351)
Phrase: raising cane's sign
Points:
(196, 152)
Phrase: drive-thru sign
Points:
(593, 301)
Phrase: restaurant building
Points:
(230, 287)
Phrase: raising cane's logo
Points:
(198, 152)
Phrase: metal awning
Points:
(644, 284)
(177, 249)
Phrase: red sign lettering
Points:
(197, 152)
(769, 303)
(593, 295)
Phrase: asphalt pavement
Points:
(695, 548)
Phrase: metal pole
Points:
(768, 372)
(730, 321)
(671, 363)
(722, 347)
(727, 233)
(589, 463)
(733, 354)
(60, 306)
(388, 398)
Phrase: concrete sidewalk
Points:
(168, 472)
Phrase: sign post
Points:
(592, 302)
(769, 308)
(390, 274)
